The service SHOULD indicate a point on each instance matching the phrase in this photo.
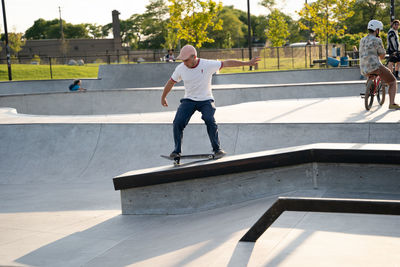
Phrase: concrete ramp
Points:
(36, 153)
(145, 100)
(135, 75)
(122, 76)
(290, 76)
(155, 74)
(204, 185)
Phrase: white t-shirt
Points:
(197, 80)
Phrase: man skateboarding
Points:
(196, 74)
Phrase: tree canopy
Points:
(325, 17)
(207, 23)
(277, 31)
(194, 19)
(51, 29)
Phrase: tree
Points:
(258, 25)
(350, 40)
(326, 17)
(16, 42)
(73, 31)
(296, 34)
(106, 30)
(131, 32)
(50, 29)
(154, 24)
(232, 31)
(171, 40)
(269, 4)
(95, 31)
(365, 10)
(38, 30)
(277, 31)
(193, 20)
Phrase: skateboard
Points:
(177, 160)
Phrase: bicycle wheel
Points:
(369, 94)
(381, 92)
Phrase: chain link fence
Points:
(272, 58)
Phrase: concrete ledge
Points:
(123, 76)
(42, 86)
(365, 206)
(135, 100)
(290, 76)
(212, 184)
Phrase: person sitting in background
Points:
(76, 86)
(170, 56)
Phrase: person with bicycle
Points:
(371, 51)
(393, 47)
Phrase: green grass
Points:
(271, 64)
(42, 72)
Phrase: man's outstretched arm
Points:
(237, 63)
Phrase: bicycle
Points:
(374, 87)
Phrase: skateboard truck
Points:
(177, 160)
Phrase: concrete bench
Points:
(321, 62)
(354, 62)
(235, 179)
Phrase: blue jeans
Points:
(185, 112)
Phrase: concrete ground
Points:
(58, 206)
(310, 110)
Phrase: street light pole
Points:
(7, 46)
(309, 30)
(61, 25)
(391, 10)
(249, 30)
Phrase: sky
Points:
(21, 14)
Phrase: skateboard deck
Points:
(177, 160)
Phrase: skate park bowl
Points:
(59, 206)
(122, 89)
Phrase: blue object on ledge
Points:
(333, 62)
(344, 61)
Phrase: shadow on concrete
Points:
(375, 114)
(241, 255)
(185, 239)
(289, 248)
(125, 240)
(294, 110)
(379, 117)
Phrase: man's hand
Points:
(164, 102)
(167, 88)
(254, 61)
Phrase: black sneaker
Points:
(174, 155)
(219, 154)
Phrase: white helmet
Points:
(375, 24)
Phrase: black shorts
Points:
(394, 57)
